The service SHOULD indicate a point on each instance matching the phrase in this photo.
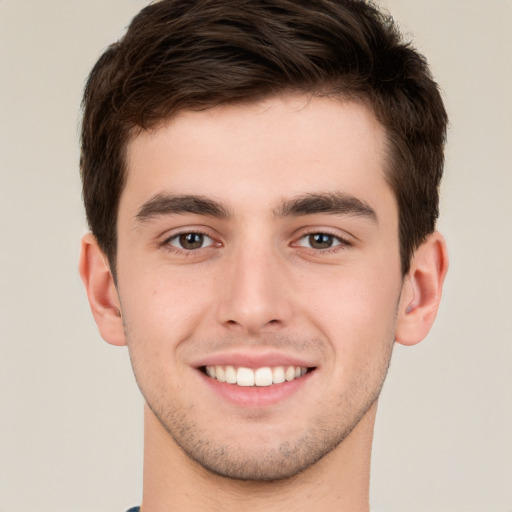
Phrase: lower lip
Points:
(256, 396)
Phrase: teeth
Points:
(263, 377)
(249, 377)
(221, 373)
(245, 377)
(278, 375)
(230, 375)
(289, 373)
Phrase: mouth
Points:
(255, 377)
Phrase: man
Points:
(261, 182)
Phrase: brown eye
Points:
(321, 240)
(190, 241)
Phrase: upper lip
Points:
(254, 359)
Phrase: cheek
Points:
(162, 305)
(354, 309)
(159, 314)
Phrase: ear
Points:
(421, 291)
(101, 291)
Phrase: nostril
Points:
(252, 322)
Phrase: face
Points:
(259, 279)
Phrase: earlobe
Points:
(421, 291)
(101, 291)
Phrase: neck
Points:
(338, 482)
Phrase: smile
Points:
(247, 377)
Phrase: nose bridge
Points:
(255, 295)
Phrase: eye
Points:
(320, 241)
(190, 241)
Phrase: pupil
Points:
(320, 241)
(191, 240)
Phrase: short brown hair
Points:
(196, 54)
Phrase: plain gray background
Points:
(70, 413)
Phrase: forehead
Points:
(260, 153)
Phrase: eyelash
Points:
(341, 243)
(167, 243)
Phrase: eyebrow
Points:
(336, 203)
(165, 204)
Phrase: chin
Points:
(262, 457)
(259, 466)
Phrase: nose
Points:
(255, 295)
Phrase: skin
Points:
(257, 288)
